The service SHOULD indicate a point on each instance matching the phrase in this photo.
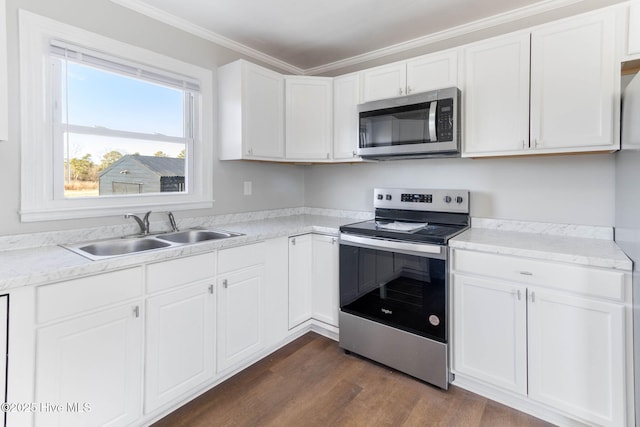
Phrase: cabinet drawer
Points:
(181, 271)
(88, 293)
(240, 257)
(565, 277)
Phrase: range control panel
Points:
(422, 199)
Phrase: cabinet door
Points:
(490, 331)
(387, 81)
(180, 337)
(309, 118)
(263, 111)
(325, 299)
(633, 35)
(240, 321)
(250, 112)
(300, 279)
(94, 362)
(496, 96)
(576, 356)
(346, 91)
(276, 291)
(431, 72)
(573, 83)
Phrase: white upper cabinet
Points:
(633, 35)
(346, 96)
(496, 95)
(309, 118)
(433, 71)
(573, 84)
(568, 104)
(251, 112)
(424, 73)
(386, 81)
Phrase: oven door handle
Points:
(391, 244)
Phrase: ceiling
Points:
(304, 35)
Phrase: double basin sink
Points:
(129, 245)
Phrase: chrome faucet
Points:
(172, 221)
(143, 223)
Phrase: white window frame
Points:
(41, 200)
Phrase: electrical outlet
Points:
(247, 188)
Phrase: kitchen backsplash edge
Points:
(34, 240)
(568, 230)
(159, 224)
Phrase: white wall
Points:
(274, 186)
(574, 189)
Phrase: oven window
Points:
(403, 291)
(395, 126)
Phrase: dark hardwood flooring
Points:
(311, 382)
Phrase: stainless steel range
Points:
(394, 283)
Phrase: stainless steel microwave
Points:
(416, 126)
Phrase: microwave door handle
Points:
(432, 121)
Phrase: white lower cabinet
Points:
(576, 356)
(89, 352)
(490, 331)
(551, 332)
(180, 329)
(324, 282)
(180, 343)
(240, 302)
(313, 279)
(300, 279)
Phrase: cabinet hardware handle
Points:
(533, 297)
(293, 241)
(519, 293)
(225, 284)
(333, 241)
(535, 143)
(211, 289)
(526, 273)
(408, 90)
(400, 91)
(523, 145)
(353, 153)
(136, 311)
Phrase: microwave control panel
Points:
(444, 120)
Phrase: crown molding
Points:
(196, 30)
(461, 30)
(449, 33)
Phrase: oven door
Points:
(399, 284)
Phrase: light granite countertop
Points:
(40, 260)
(583, 245)
(51, 263)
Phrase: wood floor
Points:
(311, 382)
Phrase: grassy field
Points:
(81, 189)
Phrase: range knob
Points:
(380, 196)
(388, 197)
(447, 199)
(459, 199)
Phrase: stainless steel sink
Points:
(195, 236)
(131, 245)
(109, 248)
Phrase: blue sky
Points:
(100, 98)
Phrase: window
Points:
(109, 127)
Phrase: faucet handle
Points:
(172, 221)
